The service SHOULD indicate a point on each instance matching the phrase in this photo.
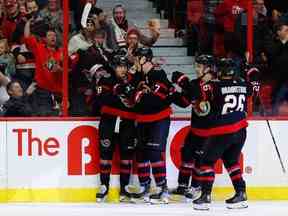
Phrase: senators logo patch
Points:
(203, 108)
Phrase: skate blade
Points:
(124, 200)
(159, 201)
(239, 205)
(176, 198)
(190, 200)
(100, 200)
(140, 200)
(201, 207)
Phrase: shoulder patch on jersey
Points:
(203, 108)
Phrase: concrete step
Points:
(187, 69)
(150, 12)
(169, 51)
(142, 17)
(175, 60)
(143, 23)
(164, 33)
(169, 42)
(129, 4)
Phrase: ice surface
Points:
(217, 209)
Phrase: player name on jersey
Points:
(234, 89)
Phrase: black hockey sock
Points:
(143, 168)
(105, 170)
(125, 172)
(206, 178)
(158, 164)
(195, 177)
(235, 174)
(185, 172)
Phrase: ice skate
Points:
(102, 194)
(238, 201)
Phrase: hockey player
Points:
(204, 66)
(225, 104)
(153, 122)
(115, 94)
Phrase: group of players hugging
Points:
(140, 95)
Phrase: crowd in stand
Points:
(219, 27)
(31, 40)
(31, 54)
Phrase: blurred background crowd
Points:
(31, 53)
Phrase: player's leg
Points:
(143, 162)
(185, 170)
(157, 148)
(107, 146)
(127, 141)
(212, 149)
(231, 158)
(194, 190)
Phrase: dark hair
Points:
(278, 26)
(50, 29)
(11, 83)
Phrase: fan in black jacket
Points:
(18, 104)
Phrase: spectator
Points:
(78, 13)
(25, 65)
(7, 69)
(208, 28)
(22, 6)
(276, 7)
(99, 18)
(18, 104)
(226, 14)
(12, 18)
(39, 25)
(2, 15)
(42, 3)
(121, 26)
(104, 25)
(133, 36)
(54, 14)
(194, 16)
(48, 73)
(84, 39)
(80, 83)
(261, 29)
(277, 53)
(32, 7)
(7, 61)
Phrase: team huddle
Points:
(141, 96)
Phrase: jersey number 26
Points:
(233, 103)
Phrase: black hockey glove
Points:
(124, 89)
(180, 79)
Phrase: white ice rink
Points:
(217, 209)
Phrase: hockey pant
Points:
(228, 148)
(108, 140)
(152, 138)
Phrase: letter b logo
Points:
(83, 154)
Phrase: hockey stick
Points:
(271, 134)
(276, 147)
